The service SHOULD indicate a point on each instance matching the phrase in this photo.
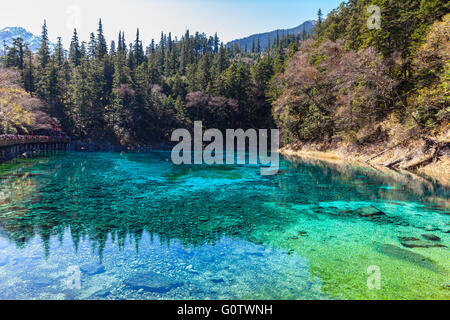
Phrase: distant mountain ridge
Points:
(263, 37)
(8, 34)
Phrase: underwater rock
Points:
(421, 244)
(370, 211)
(152, 282)
(410, 256)
(101, 294)
(408, 239)
(92, 268)
(431, 237)
(255, 240)
(217, 280)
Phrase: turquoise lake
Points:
(135, 226)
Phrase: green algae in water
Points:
(224, 232)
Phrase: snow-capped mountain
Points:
(8, 34)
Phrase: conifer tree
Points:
(124, 45)
(319, 22)
(131, 58)
(83, 50)
(119, 43)
(92, 46)
(138, 50)
(44, 51)
(28, 77)
(101, 48)
(216, 43)
(268, 44)
(75, 51)
(59, 53)
(15, 55)
(203, 72)
(112, 49)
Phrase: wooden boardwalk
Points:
(12, 146)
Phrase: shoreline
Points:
(389, 161)
(437, 171)
(88, 146)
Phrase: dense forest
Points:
(338, 84)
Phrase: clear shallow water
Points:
(139, 227)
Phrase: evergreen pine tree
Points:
(112, 49)
(268, 43)
(83, 50)
(15, 55)
(75, 52)
(59, 53)
(92, 46)
(124, 45)
(319, 22)
(119, 43)
(28, 77)
(44, 51)
(216, 43)
(138, 50)
(304, 33)
(101, 48)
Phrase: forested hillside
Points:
(128, 93)
(344, 84)
(261, 40)
(350, 78)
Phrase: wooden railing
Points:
(12, 140)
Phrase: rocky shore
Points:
(425, 156)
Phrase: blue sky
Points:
(230, 18)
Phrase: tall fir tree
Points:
(138, 50)
(101, 47)
(59, 55)
(44, 51)
(15, 56)
(75, 50)
(28, 76)
(92, 46)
